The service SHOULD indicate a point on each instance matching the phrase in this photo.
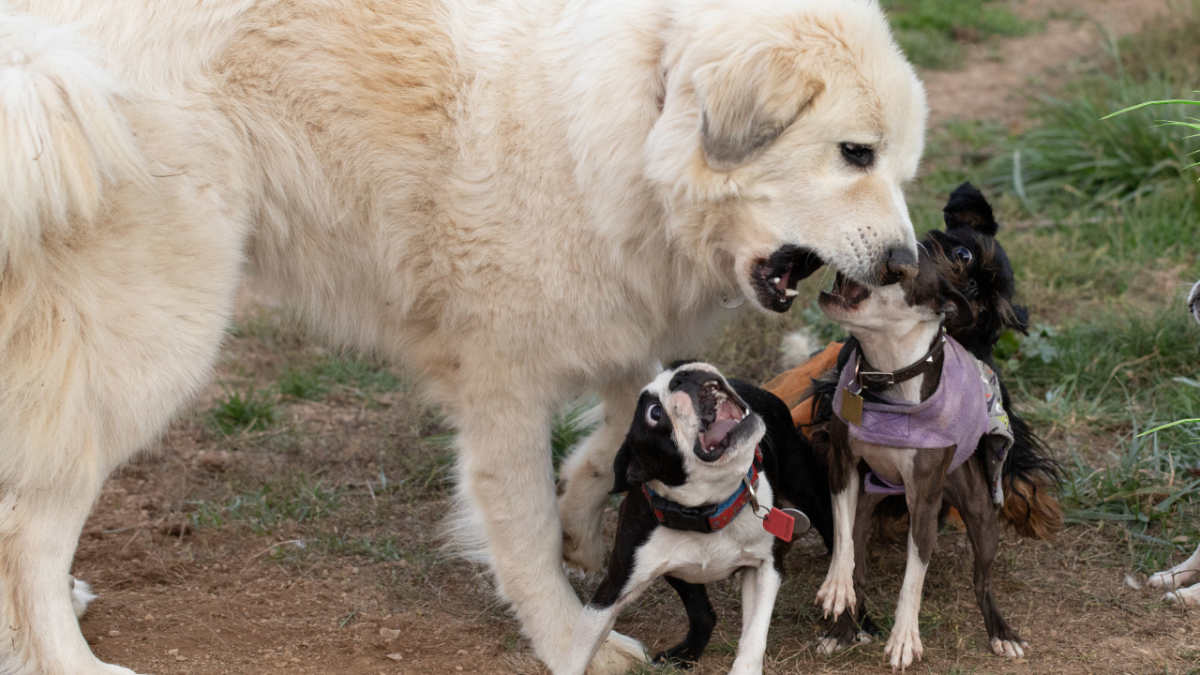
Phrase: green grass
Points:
(243, 411)
(931, 32)
(315, 381)
(270, 507)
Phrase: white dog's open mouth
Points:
(721, 414)
(775, 278)
(846, 294)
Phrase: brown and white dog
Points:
(900, 359)
(514, 201)
(1180, 580)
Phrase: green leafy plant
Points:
(238, 412)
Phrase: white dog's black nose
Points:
(899, 265)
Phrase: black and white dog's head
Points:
(692, 437)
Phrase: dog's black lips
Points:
(846, 293)
(775, 276)
(722, 414)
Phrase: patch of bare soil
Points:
(1002, 74)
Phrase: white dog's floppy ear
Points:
(747, 101)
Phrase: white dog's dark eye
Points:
(654, 414)
(858, 155)
(963, 253)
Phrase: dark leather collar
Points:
(873, 380)
(709, 517)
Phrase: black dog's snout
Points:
(901, 264)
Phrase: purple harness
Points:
(965, 406)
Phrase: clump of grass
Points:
(930, 31)
(268, 508)
(572, 424)
(314, 382)
(1075, 157)
(237, 411)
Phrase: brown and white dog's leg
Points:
(849, 628)
(759, 588)
(836, 594)
(1194, 301)
(923, 484)
(968, 490)
(586, 477)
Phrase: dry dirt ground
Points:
(311, 546)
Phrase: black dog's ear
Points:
(1020, 321)
(954, 305)
(627, 470)
(968, 208)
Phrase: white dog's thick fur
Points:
(515, 200)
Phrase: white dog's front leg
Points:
(837, 593)
(1183, 574)
(762, 585)
(586, 477)
(593, 626)
(507, 484)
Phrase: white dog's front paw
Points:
(1172, 579)
(583, 550)
(81, 596)
(1186, 596)
(618, 655)
(904, 646)
(836, 595)
(1013, 649)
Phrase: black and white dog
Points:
(707, 463)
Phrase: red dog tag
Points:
(779, 524)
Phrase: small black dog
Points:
(966, 278)
(705, 461)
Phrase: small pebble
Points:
(389, 634)
(396, 657)
(114, 633)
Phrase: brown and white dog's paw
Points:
(618, 655)
(836, 595)
(81, 596)
(904, 646)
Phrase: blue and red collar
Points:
(710, 517)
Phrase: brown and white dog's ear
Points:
(747, 101)
(627, 470)
(954, 305)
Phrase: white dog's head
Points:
(692, 437)
(788, 128)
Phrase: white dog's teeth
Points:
(773, 280)
(791, 293)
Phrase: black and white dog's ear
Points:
(954, 305)
(968, 208)
(628, 472)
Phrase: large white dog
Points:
(515, 200)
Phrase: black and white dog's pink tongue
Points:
(717, 431)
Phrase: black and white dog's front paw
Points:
(1194, 302)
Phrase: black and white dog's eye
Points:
(654, 414)
(963, 253)
(859, 155)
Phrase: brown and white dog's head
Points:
(787, 130)
(888, 315)
(692, 437)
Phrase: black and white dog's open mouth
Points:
(721, 416)
(775, 278)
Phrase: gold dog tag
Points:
(852, 407)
